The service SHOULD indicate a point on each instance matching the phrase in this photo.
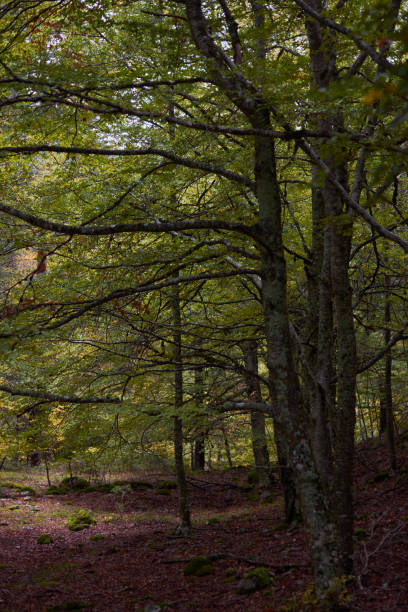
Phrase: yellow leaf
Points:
(372, 96)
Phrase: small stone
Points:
(151, 607)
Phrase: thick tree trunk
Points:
(184, 512)
(320, 340)
(322, 46)
(293, 418)
(344, 423)
(258, 433)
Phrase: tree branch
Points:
(181, 161)
(59, 398)
(125, 228)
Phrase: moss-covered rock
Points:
(80, 520)
(199, 566)
(255, 580)
(45, 538)
(17, 488)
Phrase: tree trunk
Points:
(386, 395)
(259, 443)
(198, 454)
(184, 512)
(322, 45)
(227, 448)
(293, 418)
(320, 340)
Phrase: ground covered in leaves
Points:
(132, 560)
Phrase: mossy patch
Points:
(360, 534)
(253, 477)
(380, 477)
(166, 484)
(18, 488)
(74, 483)
(198, 566)
(45, 538)
(54, 490)
(162, 491)
(255, 580)
(80, 520)
(97, 537)
(141, 484)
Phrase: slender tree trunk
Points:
(198, 457)
(47, 469)
(386, 395)
(184, 512)
(227, 448)
(259, 443)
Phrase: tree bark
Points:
(323, 61)
(293, 418)
(184, 512)
(198, 455)
(386, 392)
(258, 433)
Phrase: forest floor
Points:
(137, 562)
